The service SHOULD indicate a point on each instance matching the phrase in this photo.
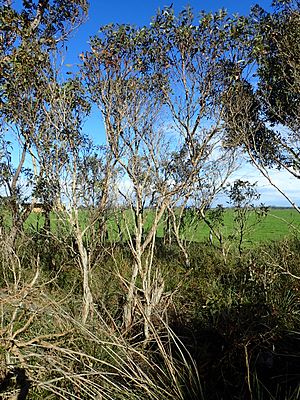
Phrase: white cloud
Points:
(269, 195)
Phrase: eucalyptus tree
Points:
(74, 178)
(263, 108)
(277, 51)
(30, 40)
(123, 82)
(159, 90)
(193, 53)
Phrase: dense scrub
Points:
(225, 329)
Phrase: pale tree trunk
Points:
(153, 287)
(168, 231)
(87, 307)
(73, 214)
(136, 249)
(149, 295)
(176, 229)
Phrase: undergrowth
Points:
(227, 330)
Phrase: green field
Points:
(279, 223)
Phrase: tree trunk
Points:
(87, 306)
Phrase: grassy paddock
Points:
(279, 223)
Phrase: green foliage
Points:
(277, 53)
(44, 115)
(262, 108)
